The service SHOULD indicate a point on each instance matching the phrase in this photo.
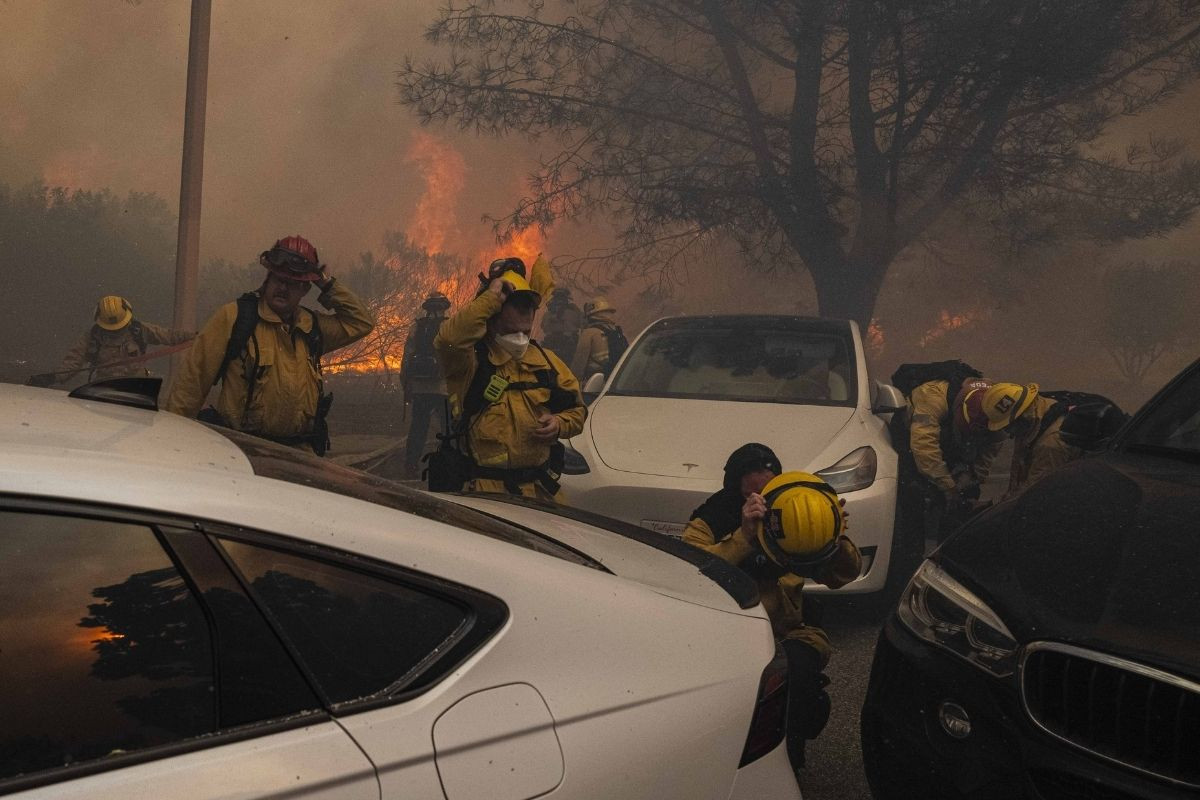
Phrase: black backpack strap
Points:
(139, 336)
(92, 353)
(240, 334)
(315, 340)
(473, 401)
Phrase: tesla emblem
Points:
(690, 466)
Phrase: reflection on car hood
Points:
(693, 438)
(1102, 553)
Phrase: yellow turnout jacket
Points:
(929, 407)
(1034, 456)
(117, 345)
(500, 436)
(781, 597)
(287, 387)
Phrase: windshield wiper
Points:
(1166, 451)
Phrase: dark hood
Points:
(1104, 553)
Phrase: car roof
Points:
(49, 423)
(785, 321)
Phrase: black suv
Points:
(1051, 648)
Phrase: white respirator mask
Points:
(515, 344)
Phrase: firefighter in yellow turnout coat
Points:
(728, 525)
(1019, 410)
(271, 388)
(116, 336)
(529, 399)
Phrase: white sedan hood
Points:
(693, 438)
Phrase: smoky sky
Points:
(304, 134)
(304, 131)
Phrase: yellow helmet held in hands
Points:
(1004, 402)
(803, 522)
(113, 312)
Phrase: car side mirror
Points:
(595, 384)
(888, 400)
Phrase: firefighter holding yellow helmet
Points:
(782, 528)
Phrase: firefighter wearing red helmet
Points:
(265, 350)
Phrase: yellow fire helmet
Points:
(600, 305)
(1004, 402)
(113, 313)
(803, 522)
(519, 284)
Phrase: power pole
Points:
(187, 251)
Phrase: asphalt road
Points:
(835, 770)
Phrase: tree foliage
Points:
(1148, 311)
(63, 250)
(828, 133)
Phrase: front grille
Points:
(1122, 711)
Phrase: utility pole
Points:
(187, 251)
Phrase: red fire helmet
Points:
(967, 411)
(293, 257)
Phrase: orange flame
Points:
(444, 171)
(525, 245)
(434, 223)
(875, 341)
(948, 322)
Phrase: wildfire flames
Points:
(433, 226)
(948, 322)
(875, 341)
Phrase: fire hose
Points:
(51, 378)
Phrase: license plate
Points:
(672, 529)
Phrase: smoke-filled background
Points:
(305, 135)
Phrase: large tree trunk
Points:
(848, 290)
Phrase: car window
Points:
(359, 635)
(256, 679)
(745, 362)
(1173, 422)
(103, 648)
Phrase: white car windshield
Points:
(772, 360)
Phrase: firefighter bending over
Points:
(265, 350)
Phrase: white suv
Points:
(691, 390)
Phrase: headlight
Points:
(945, 613)
(573, 462)
(855, 471)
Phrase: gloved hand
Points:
(967, 487)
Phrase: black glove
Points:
(965, 484)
